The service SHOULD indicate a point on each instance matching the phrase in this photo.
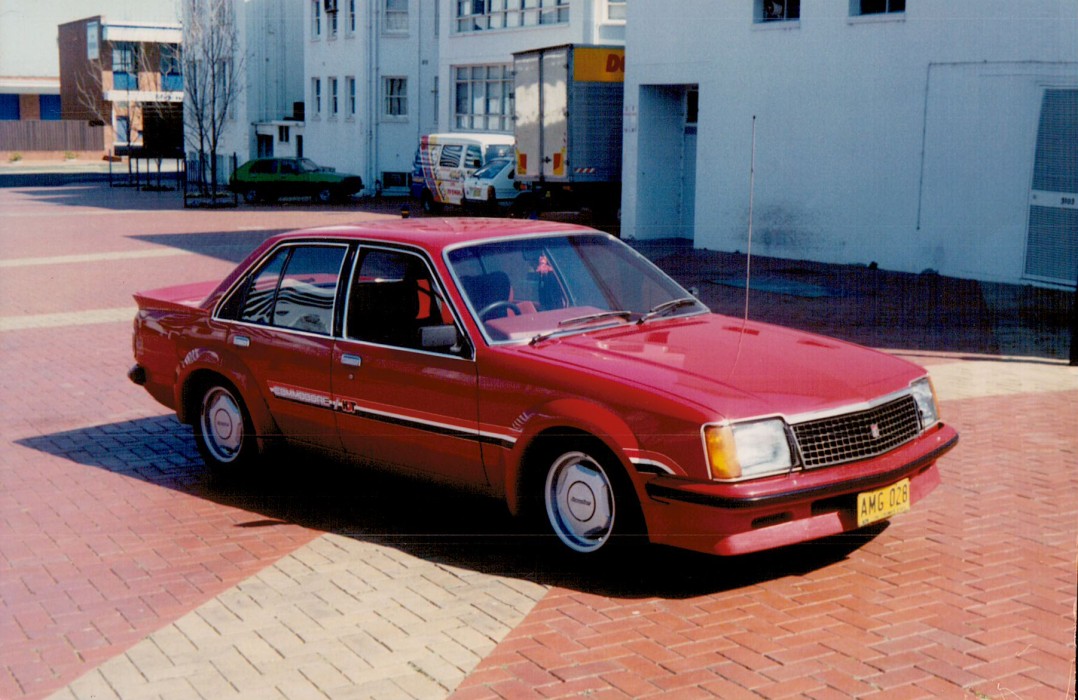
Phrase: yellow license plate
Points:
(881, 504)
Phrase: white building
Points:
(479, 38)
(370, 85)
(268, 115)
(371, 74)
(920, 135)
(377, 70)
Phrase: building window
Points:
(124, 66)
(123, 130)
(171, 68)
(615, 10)
(876, 7)
(316, 96)
(331, 20)
(483, 98)
(48, 106)
(284, 133)
(333, 108)
(316, 19)
(397, 16)
(480, 15)
(778, 10)
(396, 97)
(350, 84)
(351, 16)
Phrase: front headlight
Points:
(925, 397)
(747, 450)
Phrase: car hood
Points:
(732, 369)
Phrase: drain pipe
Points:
(1074, 321)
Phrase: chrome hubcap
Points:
(222, 424)
(579, 502)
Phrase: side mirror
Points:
(440, 338)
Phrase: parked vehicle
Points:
(445, 160)
(549, 365)
(568, 127)
(267, 179)
(493, 188)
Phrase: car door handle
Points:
(349, 360)
(241, 341)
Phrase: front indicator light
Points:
(748, 450)
(925, 397)
(721, 453)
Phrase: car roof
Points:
(433, 234)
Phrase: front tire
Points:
(429, 205)
(223, 433)
(324, 195)
(588, 502)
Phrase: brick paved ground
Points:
(126, 573)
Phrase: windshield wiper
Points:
(668, 306)
(580, 321)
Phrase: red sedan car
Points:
(551, 366)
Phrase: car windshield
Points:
(501, 150)
(491, 169)
(306, 165)
(530, 289)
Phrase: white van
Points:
(444, 160)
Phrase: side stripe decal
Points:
(350, 407)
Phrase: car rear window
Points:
(295, 288)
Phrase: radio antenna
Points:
(752, 185)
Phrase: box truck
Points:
(568, 128)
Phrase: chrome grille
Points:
(859, 435)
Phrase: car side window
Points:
(474, 157)
(450, 157)
(393, 298)
(263, 167)
(289, 167)
(295, 288)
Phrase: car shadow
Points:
(434, 522)
(232, 246)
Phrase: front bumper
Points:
(780, 511)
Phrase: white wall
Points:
(903, 139)
(271, 40)
(369, 143)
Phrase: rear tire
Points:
(223, 432)
(251, 196)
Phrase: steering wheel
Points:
(491, 308)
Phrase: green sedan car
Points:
(267, 179)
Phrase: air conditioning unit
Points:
(330, 5)
(772, 9)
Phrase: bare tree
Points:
(213, 67)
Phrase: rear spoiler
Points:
(184, 297)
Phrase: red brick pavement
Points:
(969, 595)
(107, 534)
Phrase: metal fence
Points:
(65, 135)
(199, 188)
